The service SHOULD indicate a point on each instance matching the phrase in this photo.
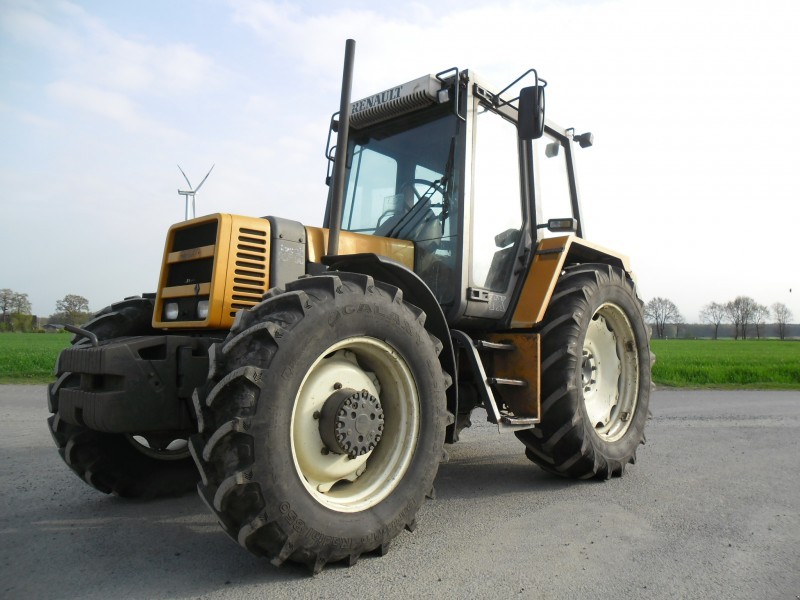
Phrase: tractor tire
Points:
(595, 379)
(148, 466)
(322, 424)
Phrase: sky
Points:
(693, 105)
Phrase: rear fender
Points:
(550, 258)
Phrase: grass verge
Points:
(727, 364)
(719, 364)
(30, 357)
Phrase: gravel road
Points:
(710, 510)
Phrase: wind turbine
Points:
(192, 191)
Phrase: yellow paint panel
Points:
(521, 363)
(551, 256)
(355, 243)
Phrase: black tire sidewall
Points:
(285, 496)
(620, 296)
(565, 443)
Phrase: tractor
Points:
(306, 379)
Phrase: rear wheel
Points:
(322, 425)
(595, 383)
(146, 465)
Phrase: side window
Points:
(552, 184)
(372, 199)
(496, 204)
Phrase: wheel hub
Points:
(351, 422)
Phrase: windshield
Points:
(402, 184)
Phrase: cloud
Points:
(112, 105)
(82, 64)
(86, 50)
(27, 23)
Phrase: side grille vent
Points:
(250, 275)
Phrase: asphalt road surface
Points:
(710, 510)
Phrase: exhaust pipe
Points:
(340, 160)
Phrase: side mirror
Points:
(586, 140)
(530, 123)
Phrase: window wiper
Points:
(447, 180)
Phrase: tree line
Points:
(16, 315)
(747, 316)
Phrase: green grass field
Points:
(30, 357)
(726, 364)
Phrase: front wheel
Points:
(595, 381)
(322, 425)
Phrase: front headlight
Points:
(202, 310)
(171, 311)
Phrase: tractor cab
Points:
(465, 174)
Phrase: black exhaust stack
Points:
(337, 198)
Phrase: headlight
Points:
(202, 309)
(171, 311)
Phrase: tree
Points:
(20, 304)
(715, 314)
(760, 316)
(22, 322)
(16, 310)
(71, 310)
(6, 296)
(662, 312)
(782, 316)
(740, 313)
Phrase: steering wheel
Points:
(399, 218)
(387, 214)
(435, 185)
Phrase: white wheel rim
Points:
(610, 372)
(335, 480)
(165, 448)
